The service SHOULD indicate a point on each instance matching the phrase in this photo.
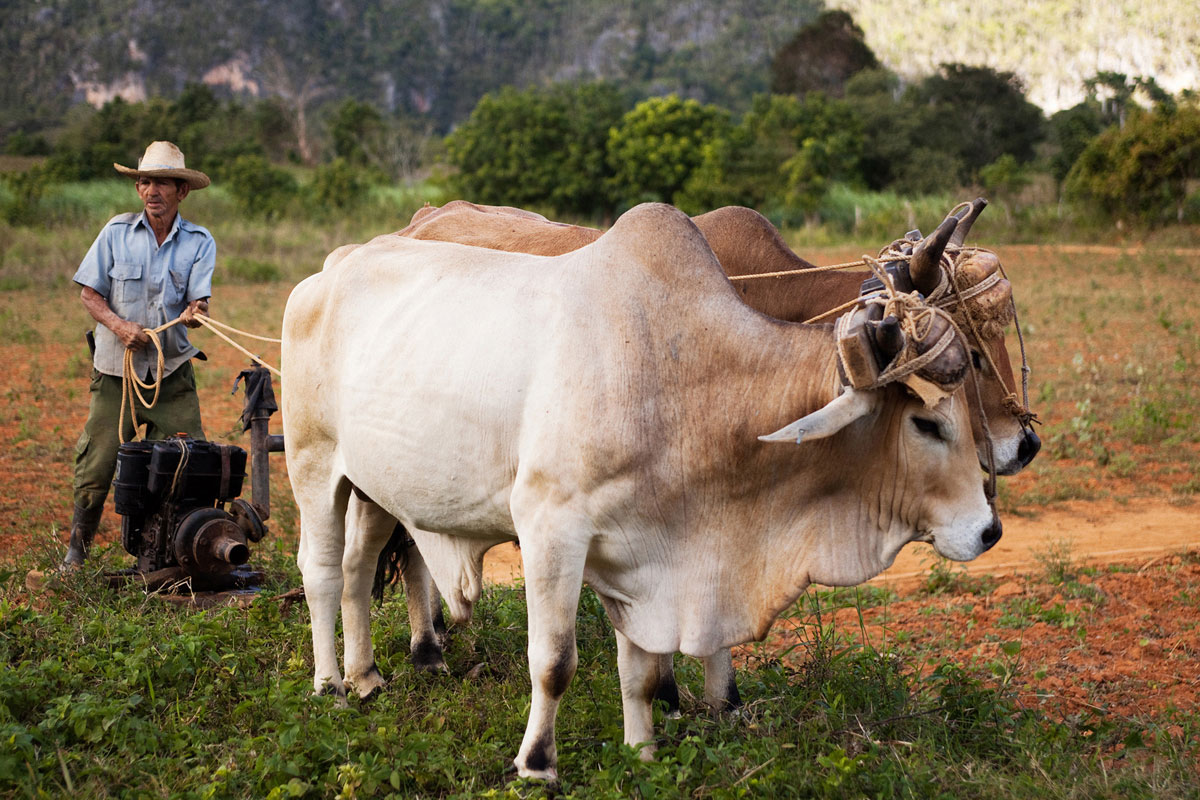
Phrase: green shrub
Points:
(336, 187)
(260, 189)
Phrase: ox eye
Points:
(976, 360)
(929, 427)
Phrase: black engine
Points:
(180, 506)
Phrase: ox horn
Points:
(966, 218)
(889, 338)
(925, 266)
(847, 407)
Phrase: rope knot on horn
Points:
(910, 364)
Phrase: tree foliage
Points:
(259, 188)
(659, 143)
(1069, 132)
(939, 132)
(1142, 170)
(978, 114)
(783, 151)
(538, 147)
(821, 57)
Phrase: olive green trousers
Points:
(177, 411)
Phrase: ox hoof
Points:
(330, 689)
(427, 657)
(369, 686)
(548, 775)
(338, 694)
(646, 752)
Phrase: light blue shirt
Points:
(149, 284)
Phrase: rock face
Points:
(450, 54)
(1053, 46)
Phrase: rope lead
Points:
(132, 385)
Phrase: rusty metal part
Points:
(208, 541)
(257, 411)
(262, 444)
(247, 518)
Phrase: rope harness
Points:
(949, 299)
(132, 385)
(916, 319)
(950, 294)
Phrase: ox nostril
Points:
(1029, 447)
(993, 533)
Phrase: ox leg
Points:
(424, 614)
(666, 690)
(553, 580)
(720, 681)
(640, 679)
(368, 528)
(322, 542)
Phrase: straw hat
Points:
(165, 160)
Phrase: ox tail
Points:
(392, 561)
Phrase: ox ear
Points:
(847, 407)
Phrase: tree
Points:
(93, 141)
(822, 56)
(783, 151)
(538, 147)
(658, 144)
(1142, 171)
(1069, 132)
(897, 149)
(1004, 179)
(299, 88)
(260, 189)
(978, 114)
(353, 125)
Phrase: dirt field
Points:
(1112, 337)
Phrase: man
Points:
(143, 270)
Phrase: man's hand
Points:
(132, 335)
(189, 314)
(129, 333)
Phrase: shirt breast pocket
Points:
(177, 286)
(126, 280)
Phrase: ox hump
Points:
(663, 241)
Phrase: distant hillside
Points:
(429, 57)
(1053, 45)
(435, 58)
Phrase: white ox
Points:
(605, 413)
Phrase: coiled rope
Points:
(132, 385)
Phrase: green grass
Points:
(115, 694)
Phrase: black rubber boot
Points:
(83, 529)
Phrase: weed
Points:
(17, 330)
(947, 577)
(1122, 465)
(1057, 561)
(1147, 420)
